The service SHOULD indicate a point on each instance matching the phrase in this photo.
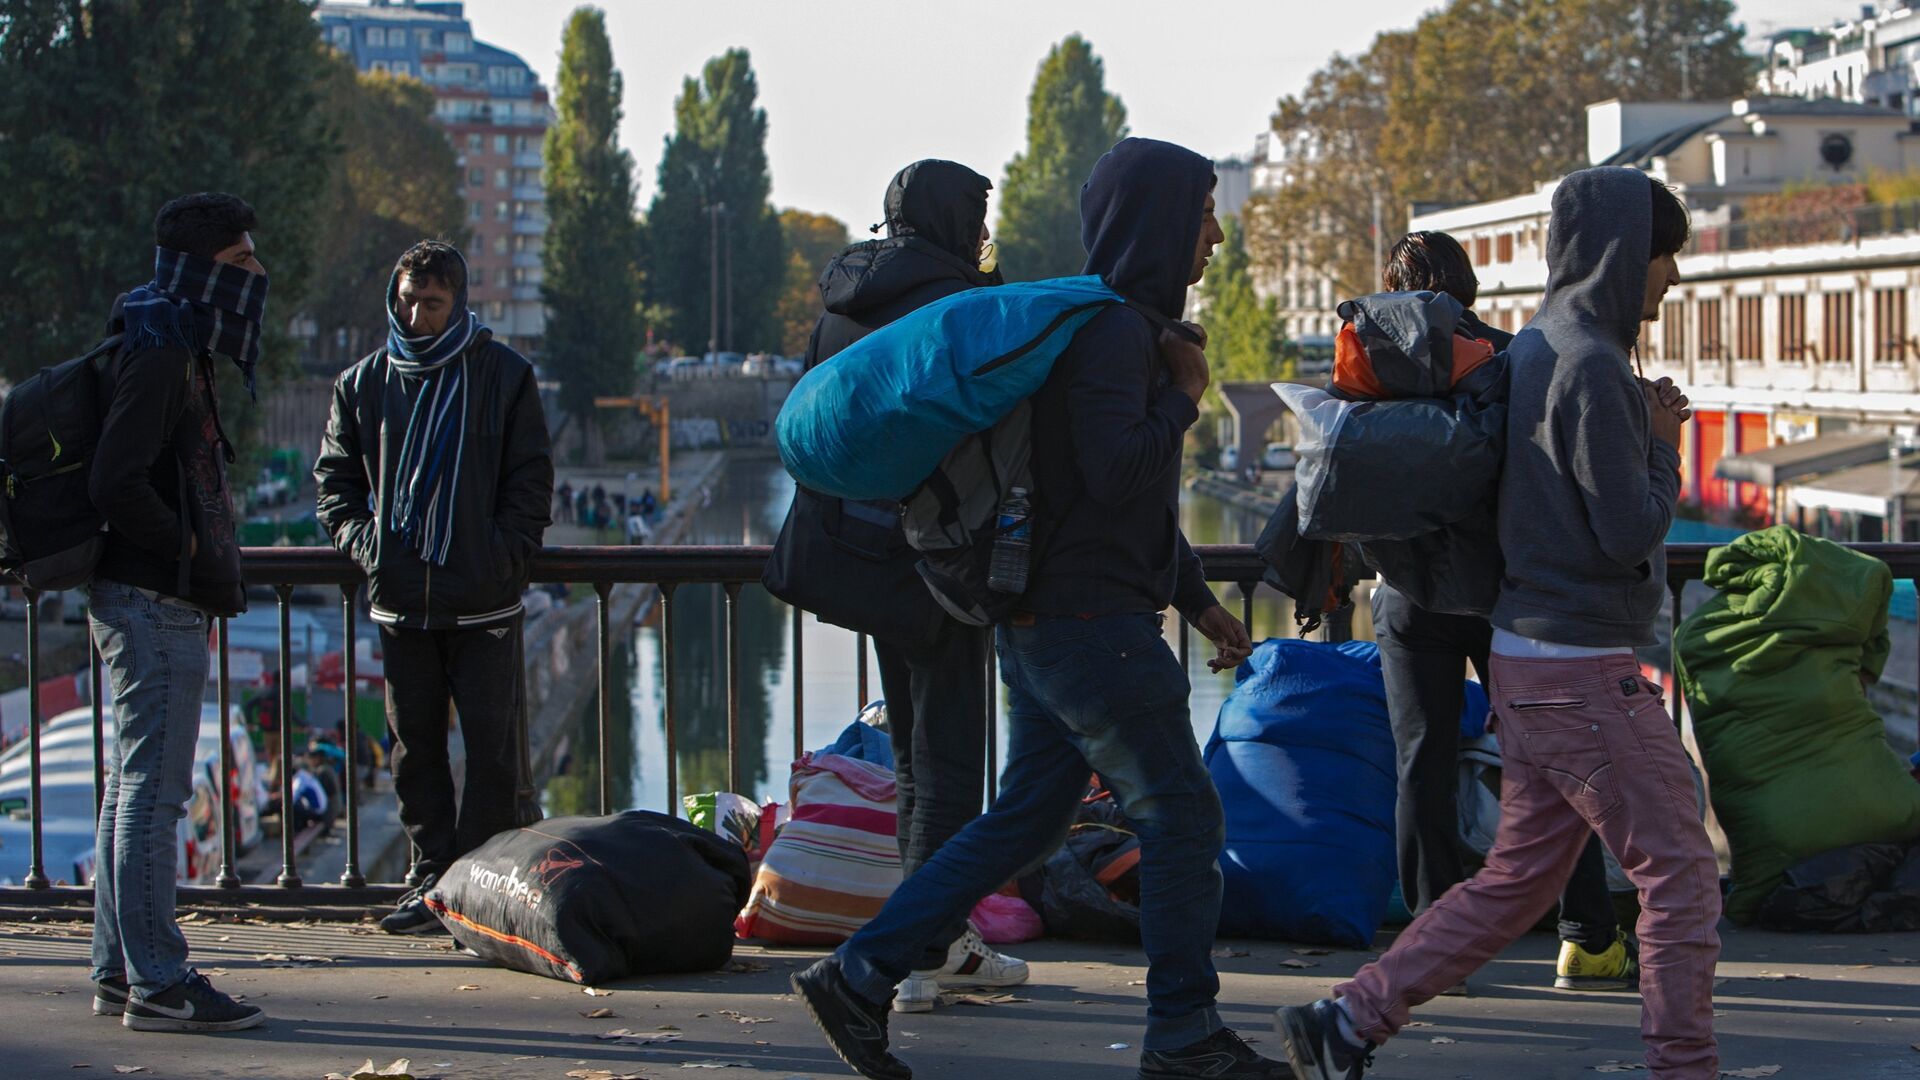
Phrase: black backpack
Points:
(50, 533)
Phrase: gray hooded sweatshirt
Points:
(1586, 495)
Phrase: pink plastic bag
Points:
(1006, 920)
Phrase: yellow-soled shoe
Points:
(1617, 968)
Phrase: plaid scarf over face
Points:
(195, 303)
(436, 435)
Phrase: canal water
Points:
(748, 502)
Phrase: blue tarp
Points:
(876, 420)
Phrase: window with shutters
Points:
(1889, 325)
(1836, 327)
(1749, 327)
(1673, 331)
(1482, 251)
(1793, 329)
(1712, 347)
(1504, 248)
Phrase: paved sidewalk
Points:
(1819, 1008)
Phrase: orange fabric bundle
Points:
(1353, 373)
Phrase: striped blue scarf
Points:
(436, 437)
(195, 303)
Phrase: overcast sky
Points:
(856, 88)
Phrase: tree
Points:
(1242, 329)
(812, 239)
(1071, 121)
(397, 182)
(109, 110)
(1424, 116)
(717, 158)
(591, 281)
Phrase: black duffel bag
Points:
(849, 563)
(592, 899)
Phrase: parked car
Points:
(1278, 456)
(271, 490)
(1229, 459)
(685, 367)
(757, 366)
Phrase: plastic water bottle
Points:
(1012, 545)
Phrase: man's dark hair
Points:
(1671, 226)
(435, 260)
(205, 224)
(1434, 262)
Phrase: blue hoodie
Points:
(1586, 494)
(1108, 426)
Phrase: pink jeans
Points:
(1586, 742)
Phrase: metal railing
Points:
(601, 568)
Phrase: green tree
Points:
(591, 280)
(397, 182)
(812, 239)
(1071, 121)
(109, 110)
(717, 158)
(1242, 329)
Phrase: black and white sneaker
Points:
(1314, 1045)
(1220, 1056)
(413, 916)
(855, 1027)
(110, 996)
(192, 1004)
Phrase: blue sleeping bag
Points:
(878, 419)
(1303, 758)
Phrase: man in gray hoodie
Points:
(1586, 497)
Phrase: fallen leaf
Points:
(642, 1038)
(468, 986)
(401, 1069)
(602, 1074)
(1314, 952)
(1618, 1067)
(951, 998)
(1229, 954)
(1119, 1046)
(129, 1068)
(1437, 1040)
(379, 997)
(1756, 1070)
(1902, 960)
(1775, 976)
(739, 1019)
(594, 991)
(747, 967)
(295, 960)
(711, 1065)
(1417, 1023)
(601, 1013)
(1296, 962)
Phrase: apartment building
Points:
(496, 113)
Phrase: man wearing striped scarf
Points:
(436, 477)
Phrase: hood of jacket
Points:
(1140, 215)
(1599, 241)
(875, 273)
(941, 202)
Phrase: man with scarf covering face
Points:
(436, 477)
(169, 565)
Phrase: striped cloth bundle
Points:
(834, 862)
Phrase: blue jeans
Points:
(1101, 695)
(156, 658)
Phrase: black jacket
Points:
(1108, 428)
(502, 506)
(159, 479)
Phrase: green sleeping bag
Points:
(1797, 762)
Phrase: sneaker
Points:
(192, 1004)
(855, 1027)
(971, 963)
(110, 996)
(1617, 968)
(1315, 1047)
(413, 916)
(1220, 1056)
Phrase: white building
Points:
(1301, 288)
(1775, 340)
(1873, 59)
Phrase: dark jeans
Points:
(1423, 654)
(936, 717)
(1101, 695)
(479, 672)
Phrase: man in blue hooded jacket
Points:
(1092, 685)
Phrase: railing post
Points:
(668, 718)
(860, 667)
(350, 875)
(289, 874)
(799, 688)
(603, 646)
(1246, 606)
(36, 864)
(226, 879)
(732, 589)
